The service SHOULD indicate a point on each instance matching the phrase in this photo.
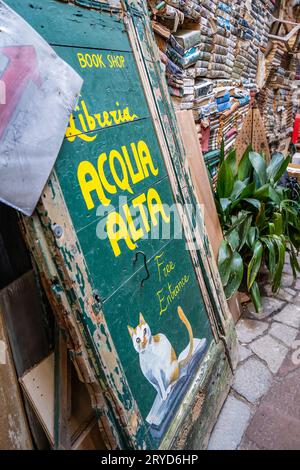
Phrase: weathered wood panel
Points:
(200, 178)
(38, 385)
(25, 322)
(96, 295)
(14, 431)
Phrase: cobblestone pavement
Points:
(262, 410)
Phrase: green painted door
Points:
(115, 184)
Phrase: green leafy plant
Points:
(260, 222)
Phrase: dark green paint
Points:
(118, 280)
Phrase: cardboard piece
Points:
(38, 385)
(200, 177)
(252, 132)
(204, 192)
(14, 431)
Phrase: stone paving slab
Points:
(272, 430)
(248, 330)
(243, 353)
(284, 395)
(270, 305)
(291, 291)
(288, 365)
(284, 294)
(263, 409)
(252, 379)
(290, 315)
(287, 268)
(271, 351)
(231, 425)
(285, 333)
(246, 444)
(287, 280)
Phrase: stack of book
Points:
(210, 50)
(276, 97)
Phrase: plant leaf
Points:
(249, 190)
(225, 255)
(259, 166)
(237, 221)
(262, 193)
(231, 161)
(280, 262)
(225, 203)
(233, 239)
(252, 236)
(255, 297)
(271, 228)
(278, 223)
(271, 255)
(238, 188)
(254, 202)
(245, 167)
(274, 195)
(244, 232)
(294, 262)
(282, 169)
(255, 263)
(236, 275)
(225, 181)
(275, 165)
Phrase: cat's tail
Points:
(184, 320)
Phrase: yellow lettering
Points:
(81, 60)
(136, 234)
(139, 175)
(124, 182)
(88, 60)
(146, 159)
(161, 298)
(109, 187)
(95, 60)
(115, 219)
(155, 206)
(90, 120)
(106, 120)
(86, 169)
(72, 132)
(127, 116)
(139, 202)
(101, 63)
(158, 264)
(116, 61)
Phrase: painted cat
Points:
(158, 359)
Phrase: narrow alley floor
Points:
(262, 410)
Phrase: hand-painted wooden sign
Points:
(116, 187)
(115, 184)
(38, 91)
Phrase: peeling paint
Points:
(69, 286)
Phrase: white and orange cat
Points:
(158, 359)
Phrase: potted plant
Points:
(260, 222)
